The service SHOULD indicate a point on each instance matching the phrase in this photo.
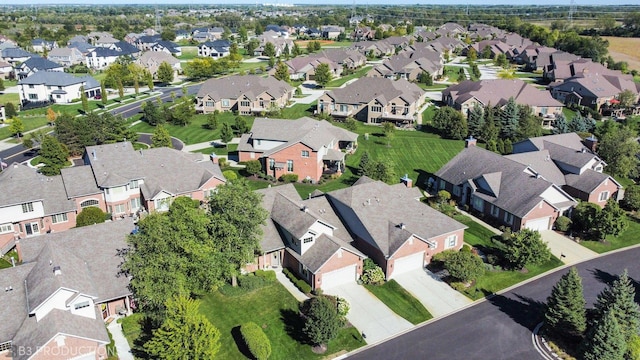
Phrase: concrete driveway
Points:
(368, 314)
(565, 249)
(436, 295)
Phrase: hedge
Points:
(256, 340)
(289, 178)
(299, 283)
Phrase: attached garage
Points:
(339, 277)
(408, 263)
(538, 224)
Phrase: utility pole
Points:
(572, 10)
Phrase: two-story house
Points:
(56, 86)
(306, 147)
(66, 56)
(35, 64)
(214, 49)
(248, 94)
(151, 60)
(374, 100)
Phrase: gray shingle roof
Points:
(587, 181)
(541, 162)
(324, 247)
(235, 86)
(58, 78)
(14, 52)
(498, 91)
(374, 211)
(40, 63)
(570, 140)
(366, 89)
(13, 310)
(271, 239)
(292, 215)
(79, 181)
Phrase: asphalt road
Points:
(500, 328)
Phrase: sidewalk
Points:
(121, 343)
(284, 280)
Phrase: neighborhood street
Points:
(500, 327)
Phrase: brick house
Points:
(306, 147)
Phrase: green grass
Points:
(276, 311)
(4, 264)
(219, 150)
(10, 97)
(195, 132)
(188, 53)
(132, 327)
(76, 108)
(246, 66)
(568, 113)
(629, 237)
(356, 75)
(112, 352)
(427, 115)
(36, 160)
(494, 281)
(298, 110)
(30, 123)
(400, 301)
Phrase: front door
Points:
(275, 259)
(32, 229)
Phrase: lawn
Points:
(298, 110)
(10, 97)
(219, 150)
(30, 123)
(494, 281)
(356, 75)
(76, 108)
(188, 52)
(629, 237)
(276, 311)
(195, 132)
(4, 264)
(400, 301)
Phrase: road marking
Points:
(536, 342)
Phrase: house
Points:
(214, 49)
(151, 60)
(375, 48)
(35, 64)
(57, 300)
(374, 100)
(363, 33)
(570, 162)
(281, 44)
(503, 190)
(304, 68)
(145, 42)
(351, 59)
(306, 147)
(303, 236)
(6, 71)
(248, 94)
(55, 86)
(66, 56)
(331, 31)
(83, 47)
(14, 55)
(167, 46)
(558, 65)
(41, 45)
(102, 39)
(3, 118)
(409, 65)
(101, 57)
(450, 29)
(467, 94)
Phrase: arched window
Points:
(88, 203)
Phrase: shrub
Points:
(222, 162)
(257, 341)
(458, 286)
(251, 282)
(368, 264)
(440, 258)
(230, 175)
(466, 248)
(253, 167)
(299, 283)
(373, 276)
(443, 196)
(291, 178)
(464, 266)
(89, 216)
(267, 274)
(563, 223)
(343, 307)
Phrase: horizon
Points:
(337, 2)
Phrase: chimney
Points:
(214, 158)
(471, 141)
(406, 181)
(401, 226)
(93, 152)
(19, 249)
(591, 143)
(304, 208)
(57, 270)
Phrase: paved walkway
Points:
(368, 314)
(122, 345)
(284, 280)
(565, 249)
(436, 295)
(484, 224)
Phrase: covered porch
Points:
(333, 162)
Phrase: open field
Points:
(625, 49)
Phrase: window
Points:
(118, 209)
(289, 165)
(456, 190)
(604, 196)
(58, 218)
(5, 228)
(452, 241)
(272, 164)
(5, 346)
(225, 102)
(134, 184)
(478, 203)
(58, 97)
(30, 86)
(209, 103)
(27, 208)
(508, 218)
(305, 153)
(90, 202)
(245, 103)
(376, 108)
(344, 108)
(135, 203)
(33, 96)
(495, 211)
(307, 240)
(81, 305)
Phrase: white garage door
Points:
(408, 263)
(538, 224)
(339, 277)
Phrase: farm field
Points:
(625, 49)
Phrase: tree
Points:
(389, 129)
(226, 134)
(475, 121)
(251, 46)
(241, 125)
(578, 124)
(585, 216)
(322, 321)
(604, 341)
(489, 129)
(212, 120)
(323, 74)
(282, 72)
(627, 98)
(258, 29)
(618, 300)
(89, 216)
(565, 314)
(425, 78)
(168, 35)
(526, 247)
(529, 125)
(450, 123)
(619, 149)
(253, 167)
(165, 73)
(161, 138)
(501, 60)
(631, 199)
(51, 116)
(236, 217)
(54, 155)
(151, 114)
(185, 333)
(364, 164)
(560, 125)
(351, 124)
(103, 93)
(295, 51)
(16, 127)
(381, 170)
(84, 100)
(269, 50)
(149, 79)
(2, 85)
(256, 340)
(465, 266)
(243, 33)
(509, 117)
(183, 112)
(472, 55)
(486, 52)
(611, 220)
(10, 110)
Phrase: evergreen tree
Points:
(212, 120)
(241, 125)
(492, 145)
(508, 147)
(282, 72)
(161, 137)
(54, 155)
(269, 50)
(611, 220)
(577, 124)
(529, 125)
(226, 134)
(560, 125)
(489, 130)
(296, 50)
(103, 93)
(605, 340)
(84, 100)
(566, 314)
(475, 121)
(509, 118)
(365, 162)
(500, 146)
(619, 300)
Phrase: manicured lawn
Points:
(356, 75)
(188, 52)
(195, 132)
(219, 150)
(568, 113)
(76, 108)
(29, 123)
(298, 110)
(132, 328)
(10, 97)
(629, 237)
(493, 281)
(247, 66)
(400, 301)
(276, 311)
(4, 264)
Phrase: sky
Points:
(335, 2)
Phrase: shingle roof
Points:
(14, 52)
(40, 63)
(235, 86)
(324, 247)
(79, 181)
(374, 211)
(13, 310)
(366, 89)
(542, 163)
(497, 92)
(271, 239)
(58, 78)
(587, 181)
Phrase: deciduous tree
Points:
(611, 220)
(54, 155)
(84, 100)
(282, 72)
(165, 73)
(322, 322)
(323, 74)
(269, 50)
(526, 247)
(619, 149)
(16, 127)
(465, 266)
(161, 138)
(226, 134)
